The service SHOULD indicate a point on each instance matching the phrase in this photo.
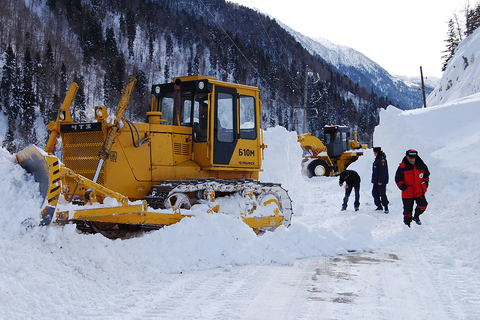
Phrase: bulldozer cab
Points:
(224, 119)
(336, 140)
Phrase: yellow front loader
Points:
(200, 151)
(334, 156)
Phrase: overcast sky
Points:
(400, 36)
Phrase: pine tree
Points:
(49, 61)
(9, 90)
(39, 83)
(452, 44)
(28, 101)
(139, 97)
(131, 31)
(91, 37)
(8, 81)
(113, 82)
(370, 116)
(166, 72)
(473, 19)
(151, 40)
(189, 68)
(51, 110)
(63, 81)
(79, 109)
(111, 50)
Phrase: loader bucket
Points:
(45, 169)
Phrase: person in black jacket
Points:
(352, 181)
(380, 179)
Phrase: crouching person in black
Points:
(352, 181)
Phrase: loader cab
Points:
(336, 139)
(223, 118)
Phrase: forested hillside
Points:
(46, 44)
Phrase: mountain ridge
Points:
(366, 72)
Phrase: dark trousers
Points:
(379, 195)
(348, 191)
(408, 206)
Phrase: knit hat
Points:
(411, 153)
(377, 149)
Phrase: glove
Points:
(407, 220)
(402, 187)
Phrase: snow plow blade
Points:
(50, 173)
(45, 169)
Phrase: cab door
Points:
(225, 137)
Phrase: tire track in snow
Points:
(269, 292)
(456, 287)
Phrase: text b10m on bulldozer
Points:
(201, 151)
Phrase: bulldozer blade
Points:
(45, 170)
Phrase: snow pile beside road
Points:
(447, 138)
(461, 78)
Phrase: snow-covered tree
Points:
(28, 100)
(473, 19)
(452, 43)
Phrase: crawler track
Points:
(201, 188)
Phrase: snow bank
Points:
(447, 138)
(462, 75)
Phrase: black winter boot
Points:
(407, 220)
(416, 217)
(417, 220)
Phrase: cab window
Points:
(200, 117)
(225, 104)
(247, 117)
(166, 106)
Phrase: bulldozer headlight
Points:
(157, 89)
(201, 85)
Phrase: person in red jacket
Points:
(412, 177)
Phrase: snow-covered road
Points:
(414, 279)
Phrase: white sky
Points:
(400, 36)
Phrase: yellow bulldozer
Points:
(201, 151)
(331, 158)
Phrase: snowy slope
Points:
(462, 76)
(361, 69)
